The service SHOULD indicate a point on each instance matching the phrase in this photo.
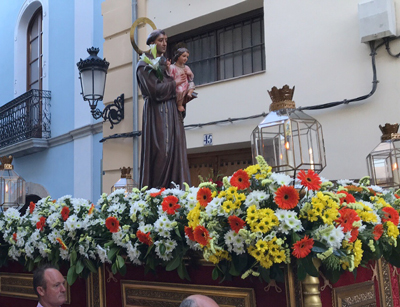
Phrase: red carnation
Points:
(157, 193)
(65, 213)
(189, 233)
(32, 206)
(42, 222)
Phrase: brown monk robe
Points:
(163, 156)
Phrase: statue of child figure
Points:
(184, 91)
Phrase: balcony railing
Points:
(25, 117)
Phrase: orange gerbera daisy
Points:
(42, 222)
(347, 218)
(189, 233)
(201, 235)
(32, 206)
(145, 238)
(204, 196)
(390, 214)
(349, 199)
(65, 213)
(302, 247)
(112, 224)
(170, 204)
(378, 231)
(157, 193)
(236, 223)
(15, 237)
(310, 180)
(91, 209)
(397, 196)
(63, 246)
(240, 179)
(354, 235)
(286, 197)
(353, 188)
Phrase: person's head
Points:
(159, 38)
(49, 285)
(181, 56)
(198, 300)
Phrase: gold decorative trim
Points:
(21, 286)
(384, 283)
(95, 289)
(156, 294)
(360, 294)
(140, 21)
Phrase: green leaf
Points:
(30, 265)
(264, 274)
(301, 271)
(149, 250)
(172, 265)
(122, 270)
(112, 252)
(79, 266)
(178, 233)
(114, 268)
(89, 264)
(72, 257)
(38, 259)
(120, 261)
(71, 275)
(233, 271)
(162, 249)
(309, 266)
(240, 262)
(215, 273)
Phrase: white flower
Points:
(102, 254)
(281, 179)
(133, 253)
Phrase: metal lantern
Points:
(383, 161)
(12, 186)
(92, 73)
(126, 182)
(288, 139)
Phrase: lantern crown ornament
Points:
(125, 182)
(12, 186)
(383, 160)
(287, 138)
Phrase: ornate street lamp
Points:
(12, 186)
(125, 182)
(383, 161)
(288, 139)
(92, 73)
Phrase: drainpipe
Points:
(135, 114)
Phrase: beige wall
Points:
(117, 18)
(313, 45)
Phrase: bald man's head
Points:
(198, 300)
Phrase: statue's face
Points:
(161, 43)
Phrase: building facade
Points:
(241, 49)
(45, 124)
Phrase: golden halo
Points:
(138, 21)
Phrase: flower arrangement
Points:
(154, 63)
(256, 222)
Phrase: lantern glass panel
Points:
(383, 164)
(289, 140)
(12, 189)
(124, 183)
(93, 83)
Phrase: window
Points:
(34, 52)
(227, 49)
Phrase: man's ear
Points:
(40, 290)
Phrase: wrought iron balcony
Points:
(26, 117)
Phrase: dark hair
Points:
(153, 36)
(38, 277)
(178, 53)
(188, 302)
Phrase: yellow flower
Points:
(231, 190)
(392, 230)
(194, 216)
(266, 262)
(312, 216)
(221, 194)
(329, 216)
(240, 197)
(262, 245)
(256, 253)
(279, 257)
(358, 253)
(228, 206)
